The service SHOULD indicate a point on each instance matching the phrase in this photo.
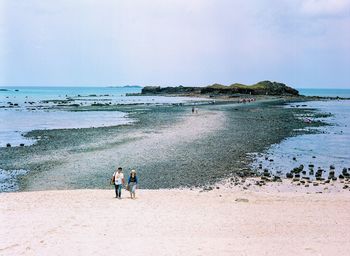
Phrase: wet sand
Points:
(174, 222)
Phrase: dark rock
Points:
(332, 167)
(289, 175)
(277, 179)
(22, 144)
(242, 200)
(341, 176)
(294, 158)
(8, 145)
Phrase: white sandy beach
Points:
(174, 222)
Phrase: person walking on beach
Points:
(132, 184)
(118, 182)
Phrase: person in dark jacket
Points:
(132, 184)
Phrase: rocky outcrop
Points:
(170, 90)
(261, 88)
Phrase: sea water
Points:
(344, 93)
(23, 109)
(329, 145)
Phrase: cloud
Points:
(328, 8)
(169, 42)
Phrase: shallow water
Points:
(9, 178)
(17, 122)
(344, 93)
(329, 146)
(23, 109)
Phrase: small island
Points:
(260, 88)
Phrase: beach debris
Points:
(242, 200)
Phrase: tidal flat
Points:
(168, 145)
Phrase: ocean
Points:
(23, 109)
(344, 93)
(327, 145)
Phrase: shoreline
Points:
(174, 222)
(67, 153)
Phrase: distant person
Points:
(192, 110)
(132, 184)
(118, 182)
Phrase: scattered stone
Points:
(345, 187)
(21, 145)
(242, 200)
(332, 167)
(8, 145)
(294, 158)
(289, 175)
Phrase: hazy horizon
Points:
(302, 43)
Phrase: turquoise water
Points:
(345, 93)
(23, 109)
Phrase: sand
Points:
(174, 222)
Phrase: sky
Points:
(303, 43)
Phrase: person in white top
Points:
(118, 182)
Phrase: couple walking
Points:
(118, 181)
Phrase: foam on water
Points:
(9, 178)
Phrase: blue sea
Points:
(328, 145)
(23, 109)
(344, 93)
